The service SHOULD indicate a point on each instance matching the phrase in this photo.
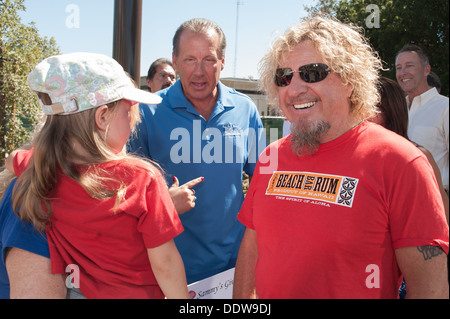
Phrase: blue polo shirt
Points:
(187, 146)
(18, 234)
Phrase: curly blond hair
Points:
(343, 48)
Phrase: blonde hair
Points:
(54, 153)
(343, 48)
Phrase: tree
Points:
(424, 23)
(21, 48)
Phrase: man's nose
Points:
(199, 68)
(297, 86)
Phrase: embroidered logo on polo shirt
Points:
(334, 189)
(231, 129)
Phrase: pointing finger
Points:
(193, 182)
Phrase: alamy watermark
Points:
(373, 19)
(229, 144)
(73, 277)
(373, 279)
(73, 19)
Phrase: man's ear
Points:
(427, 69)
(148, 84)
(101, 117)
(175, 62)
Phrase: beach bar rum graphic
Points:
(334, 189)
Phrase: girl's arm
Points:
(168, 268)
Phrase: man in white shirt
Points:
(428, 110)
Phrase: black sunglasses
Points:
(310, 73)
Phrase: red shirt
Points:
(110, 248)
(327, 225)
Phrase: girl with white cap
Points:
(108, 216)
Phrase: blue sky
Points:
(260, 21)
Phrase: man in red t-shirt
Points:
(341, 208)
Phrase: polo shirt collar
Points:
(225, 98)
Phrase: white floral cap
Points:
(79, 81)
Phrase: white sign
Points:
(219, 286)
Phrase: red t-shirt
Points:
(110, 248)
(327, 225)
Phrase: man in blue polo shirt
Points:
(203, 128)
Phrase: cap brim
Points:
(140, 96)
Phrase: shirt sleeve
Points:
(21, 160)
(160, 222)
(417, 215)
(245, 215)
(19, 234)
